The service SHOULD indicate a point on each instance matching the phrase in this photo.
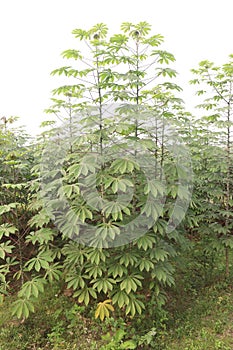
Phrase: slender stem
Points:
(100, 107)
(137, 92)
(19, 238)
(70, 124)
(228, 149)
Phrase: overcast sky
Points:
(33, 33)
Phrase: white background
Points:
(33, 33)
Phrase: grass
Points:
(197, 317)
(57, 324)
(206, 324)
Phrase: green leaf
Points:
(7, 230)
(32, 288)
(41, 261)
(121, 298)
(134, 306)
(75, 54)
(75, 282)
(83, 295)
(131, 282)
(22, 308)
(164, 56)
(43, 236)
(122, 166)
(104, 284)
(5, 248)
(146, 242)
(117, 270)
(128, 344)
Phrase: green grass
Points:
(58, 323)
(195, 319)
(206, 323)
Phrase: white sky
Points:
(33, 33)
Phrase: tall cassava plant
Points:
(216, 84)
(16, 160)
(111, 175)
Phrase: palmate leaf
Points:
(183, 192)
(81, 213)
(121, 298)
(72, 217)
(131, 282)
(134, 306)
(167, 72)
(7, 208)
(40, 219)
(68, 190)
(96, 255)
(159, 253)
(152, 209)
(227, 241)
(73, 90)
(100, 242)
(43, 236)
(69, 229)
(164, 56)
(41, 261)
(115, 209)
(128, 344)
(177, 213)
(119, 39)
(77, 169)
(84, 295)
(7, 230)
(5, 248)
(81, 34)
(163, 273)
(145, 264)
(103, 309)
(143, 27)
(160, 227)
(94, 271)
(75, 54)
(104, 284)
(79, 73)
(32, 288)
(19, 186)
(124, 165)
(101, 29)
(146, 242)
(61, 70)
(154, 187)
(21, 308)
(117, 184)
(117, 270)
(128, 258)
(75, 281)
(107, 230)
(75, 254)
(126, 26)
(87, 165)
(53, 273)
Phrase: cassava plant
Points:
(214, 170)
(113, 180)
(16, 161)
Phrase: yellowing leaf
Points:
(103, 309)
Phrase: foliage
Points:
(99, 205)
(16, 158)
(80, 201)
(213, 194)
